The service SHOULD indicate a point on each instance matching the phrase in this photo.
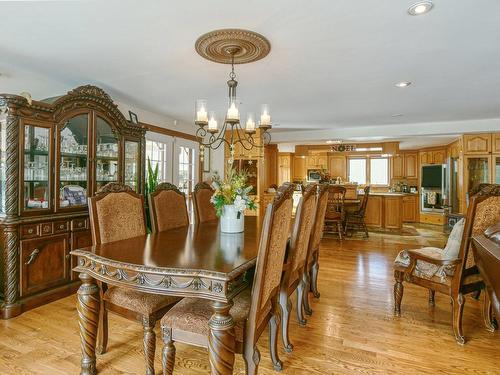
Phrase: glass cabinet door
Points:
(73, 166)
(36, 161)
(478, 171)
(106, 154)
(132, 162)
(496, 169)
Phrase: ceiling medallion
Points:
(231, 46)
(218, 45)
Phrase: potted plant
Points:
(231, 198)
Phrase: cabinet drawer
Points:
(29, 231)
(44, 264)
(46, 229)
(61, 226)
(78, 224)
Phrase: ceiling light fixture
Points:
(397, 115)
(334, 141)
(231, 46)
(403, 84)
(420, 8)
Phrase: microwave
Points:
(313, 175)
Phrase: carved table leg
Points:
(221, 339)
(398, 292)
(88, 305)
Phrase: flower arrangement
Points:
(232, 190)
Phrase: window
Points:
(369, 170)
(357, 170)
(156, 153)
(186, 169)
(379, 171)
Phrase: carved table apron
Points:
(194, 261)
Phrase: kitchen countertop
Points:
(392, 194)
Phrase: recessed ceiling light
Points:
(335, 141)
(419, 8)
(397, 115)
(403, 84)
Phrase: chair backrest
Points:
(204, 210)
(364, 202)
(116, 213)
(483, 212)
(319, 220)
(269, 267)
(335, 204)
(167, 208)
(299, 244)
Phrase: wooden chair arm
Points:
(414, 255)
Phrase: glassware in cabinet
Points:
(106, 154)
(36, 172)
(73, 163)
(132, 163)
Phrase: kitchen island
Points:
(390, 210)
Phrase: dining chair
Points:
(452, 271)
(252, 311)
(311, 273)
(334, 216)
(293, 271)
(167, 208)
(204, 210)
(356, 220)
(117, 213)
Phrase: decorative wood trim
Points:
(170, 132)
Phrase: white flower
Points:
(240, 203)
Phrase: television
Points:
(432, 176)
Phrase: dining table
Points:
(193, 261)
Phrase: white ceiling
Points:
(331, 70)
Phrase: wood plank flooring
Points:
(352, 329)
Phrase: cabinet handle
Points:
(32, 257)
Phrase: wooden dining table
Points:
(194, 261)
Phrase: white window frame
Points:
(368, 165)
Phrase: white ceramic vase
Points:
(230, 222)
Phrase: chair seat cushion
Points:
(425, 269)
(143, 303)
(469, 279)
(192, 315)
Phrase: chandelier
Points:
(232, 46)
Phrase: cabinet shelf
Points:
(71, 155)
(111, 158)
(36, 152)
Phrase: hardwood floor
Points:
(352, 329)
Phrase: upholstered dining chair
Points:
(452, 272)
(311, 274)
(356, 220)
(117, 213)
(204, 210)
(167, 208)
(293, 278)
(187, 322)
(334, 216)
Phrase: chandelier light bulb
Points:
(201, 112)
(212, 123)
(250, 124)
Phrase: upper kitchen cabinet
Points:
(337, 166)
(477, 143)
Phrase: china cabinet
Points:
(54, 154)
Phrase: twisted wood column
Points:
(149, 343)
(88, 305)
(221, 339)
(10, 254)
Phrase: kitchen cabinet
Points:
(299, 168)
(397, 166)
(411, 165)
(284, 168)
(477, 143)
(337, 166)
(495, 143)
(409, 209)
(433, 157)
(317, 161)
